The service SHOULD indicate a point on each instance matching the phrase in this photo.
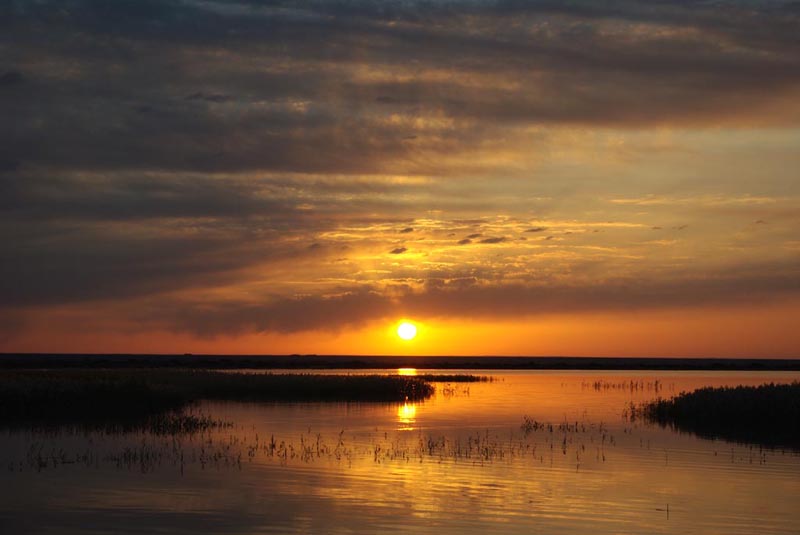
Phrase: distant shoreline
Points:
(310, 362)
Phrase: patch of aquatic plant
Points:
(768, 415)
(565, 443)
(170, 423)
(304, 387)
(450, 390)
(133, 398)
(631, 386)
(529, 425)
(92, 398)
(453, 378)
(180, 424)
(454, 385)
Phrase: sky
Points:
(520, 178)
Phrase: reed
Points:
(128, 397)
(454, 378)
(768, 415)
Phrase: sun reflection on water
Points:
(406, 371)
(407, 416)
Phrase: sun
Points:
(406, 330)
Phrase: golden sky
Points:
(517, 178)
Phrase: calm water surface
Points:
(462, 462)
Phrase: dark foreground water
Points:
(532, 452)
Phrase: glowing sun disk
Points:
(406, 330)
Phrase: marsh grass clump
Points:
(768, 415)
(638, 385)
(129, 399)
(454, 378)
(182, 424)
(529, 425)
(171, 423)
(93, 398)
(304, 387)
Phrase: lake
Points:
(529, 452)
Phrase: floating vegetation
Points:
(768, 415)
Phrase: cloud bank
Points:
(229, 167)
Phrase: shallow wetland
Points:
(528, 451)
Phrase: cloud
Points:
(351, 308)
(184, 152)
(212, 97)
(331, 87)
(10, 78)
(8, 165)
(87, 266)
(358, 306)
(701, 200)
(42, 195)
(12, 323)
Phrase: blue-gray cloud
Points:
(151, 146)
